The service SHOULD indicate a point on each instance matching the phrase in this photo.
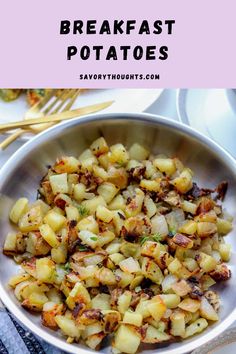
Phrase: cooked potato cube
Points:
(153, 335)
(165, 165)
(181, 288)
(117, 203)
(88, 238)
(133, 318)
(54, 220)
(89, 223)
(196, 327)
(183, 183)
(207, 311)
(49, 235)
(72, 213)
(134, 207)
(157, 308)
(104, 214)
(9, 247)
(150, 206)
(119, 154)
(151, 186)
(190, 305)
(68, 326)
(189, 207)
(31, 220)
(124, 278)
(79, 191)
(130, 265)
(59, 183)
(159, 225)
(170, 300)
(45, 269)
(105, 237)
(59, 254)
(35, 302)
(92, 204)
(18, 209)
(206, 229)
(101, 302)
(151, 271)
(189, 227)
(177, 319)
(206, 262)
(107, 191)
(99, 146)
(78, 294)
(138, 152)
(126, 340)
(124, 301)
(225, 251)
(223, 226)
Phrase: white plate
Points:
(212, 112)
(125, 100)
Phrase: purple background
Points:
(201, 49)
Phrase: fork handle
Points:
(6, 142)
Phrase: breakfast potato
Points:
(120, 242)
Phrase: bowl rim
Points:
(54, 131)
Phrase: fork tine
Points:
(53, 103)
(73, 98)
(68, 96)
(41, 103)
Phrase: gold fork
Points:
(52, 103)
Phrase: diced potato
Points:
(107, 191)
(95, 340)
(105, 237)
(116, 258)
(170, 300)
(49, 235)
(19, 208)
(113, 248)
(196, 327)
(101, 302)
(126, 340)
(138, 152)
(104, 160)
(157, 308)
(206, 229)
(207, 282)
(79, 191)
(153, 335)
(59, 254)
(92, 204)
(100, 172)
(106, 276)
(183, 183)
(124, 279)
(104, 214)
(181, 288)
(189, 227)
(118, 220)
(151, 271)
(117, 203)
(225, 251)
(190, 264)
(89, 223)
(35, 302)
(167, 283)
(31, 220)
(151, 186)
(150, 206)
(119, 154)
(223, 226)
(175, 266)
(78, 294)
(206, 262)
(99, 146)
(190, 305)
(165, 165)
(72, 213)
(189, 207)
(59, 183)
(159, 225)
(87, 160)
(54, 220)
(133, 318)
(143, 309)
(88, 238)
(45, 269)
(130, 265)
(124, 301)
(10, 243)
(19, 278)
(68, 326)
(207, 311)
(134, 207)
(177, 319)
